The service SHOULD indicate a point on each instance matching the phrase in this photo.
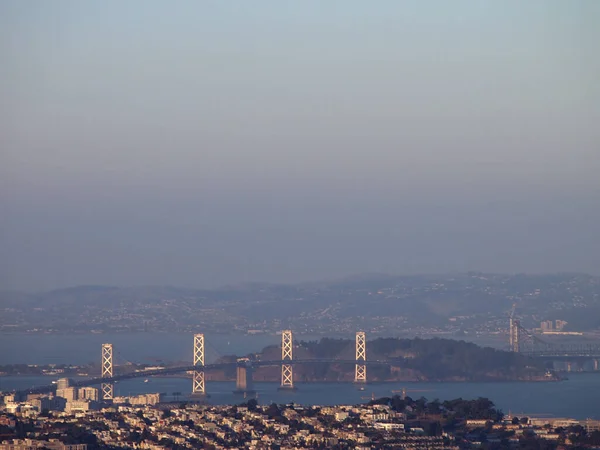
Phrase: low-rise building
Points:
(30, 444)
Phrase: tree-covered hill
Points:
(413, 359)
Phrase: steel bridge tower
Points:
(107, 371)
(198, 386)
(287, 371)
(515, 332)
(360, 370)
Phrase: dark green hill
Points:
(416, 359)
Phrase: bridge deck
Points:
(170, 370)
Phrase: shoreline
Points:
(369, 383)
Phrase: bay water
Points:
(578, 397)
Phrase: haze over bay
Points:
(278, 224)
(218, 143)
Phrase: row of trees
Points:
(480, 408)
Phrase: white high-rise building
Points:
(87, 393)
(69, 394)
(63, 383)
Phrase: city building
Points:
(78, 406)
(87, 393)
(30, 444)
(63, 383)
(43, 402)
(68, 394)
(560, 324)
(144, 399)
(8, 398)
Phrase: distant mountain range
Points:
(458, 302)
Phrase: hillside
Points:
(414, 360)
(457, 303)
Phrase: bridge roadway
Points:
(591, 351)
(562, 354)
(169, 370)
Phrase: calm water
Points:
(578, 397)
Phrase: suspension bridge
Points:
(244, 368)
(521, 341)
(529, 344)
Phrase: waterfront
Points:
(578, 397)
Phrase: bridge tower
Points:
(287, 371)
(360, 370)
(595, 364)
(243, 380)
(515, 332)
(107, 371)
(198, 386)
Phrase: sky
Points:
(207, 143)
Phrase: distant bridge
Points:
(192, 368)
(527, 343)
(244, 368)
(565, 353)
(521, 341)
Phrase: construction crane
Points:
(403, 391)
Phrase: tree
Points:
(421, 405)
(147, 436)
(252, 404)
(380, 401)
(434, 429)
(135, 437)
(273, 411)
(434, 407)
(398, 404)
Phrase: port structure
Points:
(107, 371)
(287, 370)
(360, 368)
(198, 385)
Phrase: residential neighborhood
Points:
(382, 423)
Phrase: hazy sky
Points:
(199, 143)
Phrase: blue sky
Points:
(203, 143)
